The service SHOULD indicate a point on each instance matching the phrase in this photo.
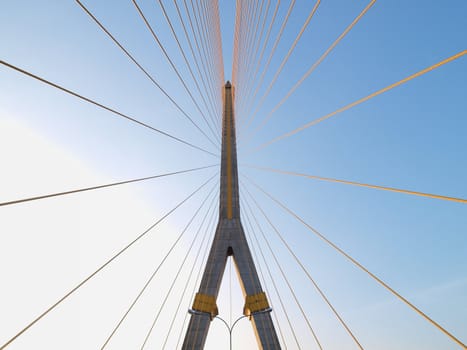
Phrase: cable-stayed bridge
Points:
(283, 290)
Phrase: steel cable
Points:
(149, 76)
(361, 267)
(100, 105)
(120, 252)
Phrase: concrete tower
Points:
(230, 240)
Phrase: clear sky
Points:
(412, 137)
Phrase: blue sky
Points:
(412, 137)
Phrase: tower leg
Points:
(197, 332)
(229, 239)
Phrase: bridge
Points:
(323, 261)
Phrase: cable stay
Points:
(251, 42)
(149, 76)
(156, 270)
(284, 62)
(284, 276)
(202, 78)
(219, 40)
(276, 289)
(198, 278)
(180, 78)
(212, 17)
(100, 105)
(252, 61)
(360, 266)
(206, 44)
(205, 16)
(213, 38)
(353, 183)
(266, 40)
(263, 279)
(246, 21)
(203, 45)
(364, 99)
(236, 43)
(246, 11)
(177, 274)
(210, 222)
(22, 200)
(83, 282)
(187, 63)
(204, 63)
(273, 50)
(310, 70)
(252, 34)
(307, 273)
(256, 60)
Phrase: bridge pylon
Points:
(230, 240)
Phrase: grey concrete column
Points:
(229, 240)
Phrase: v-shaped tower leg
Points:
(230, 240)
